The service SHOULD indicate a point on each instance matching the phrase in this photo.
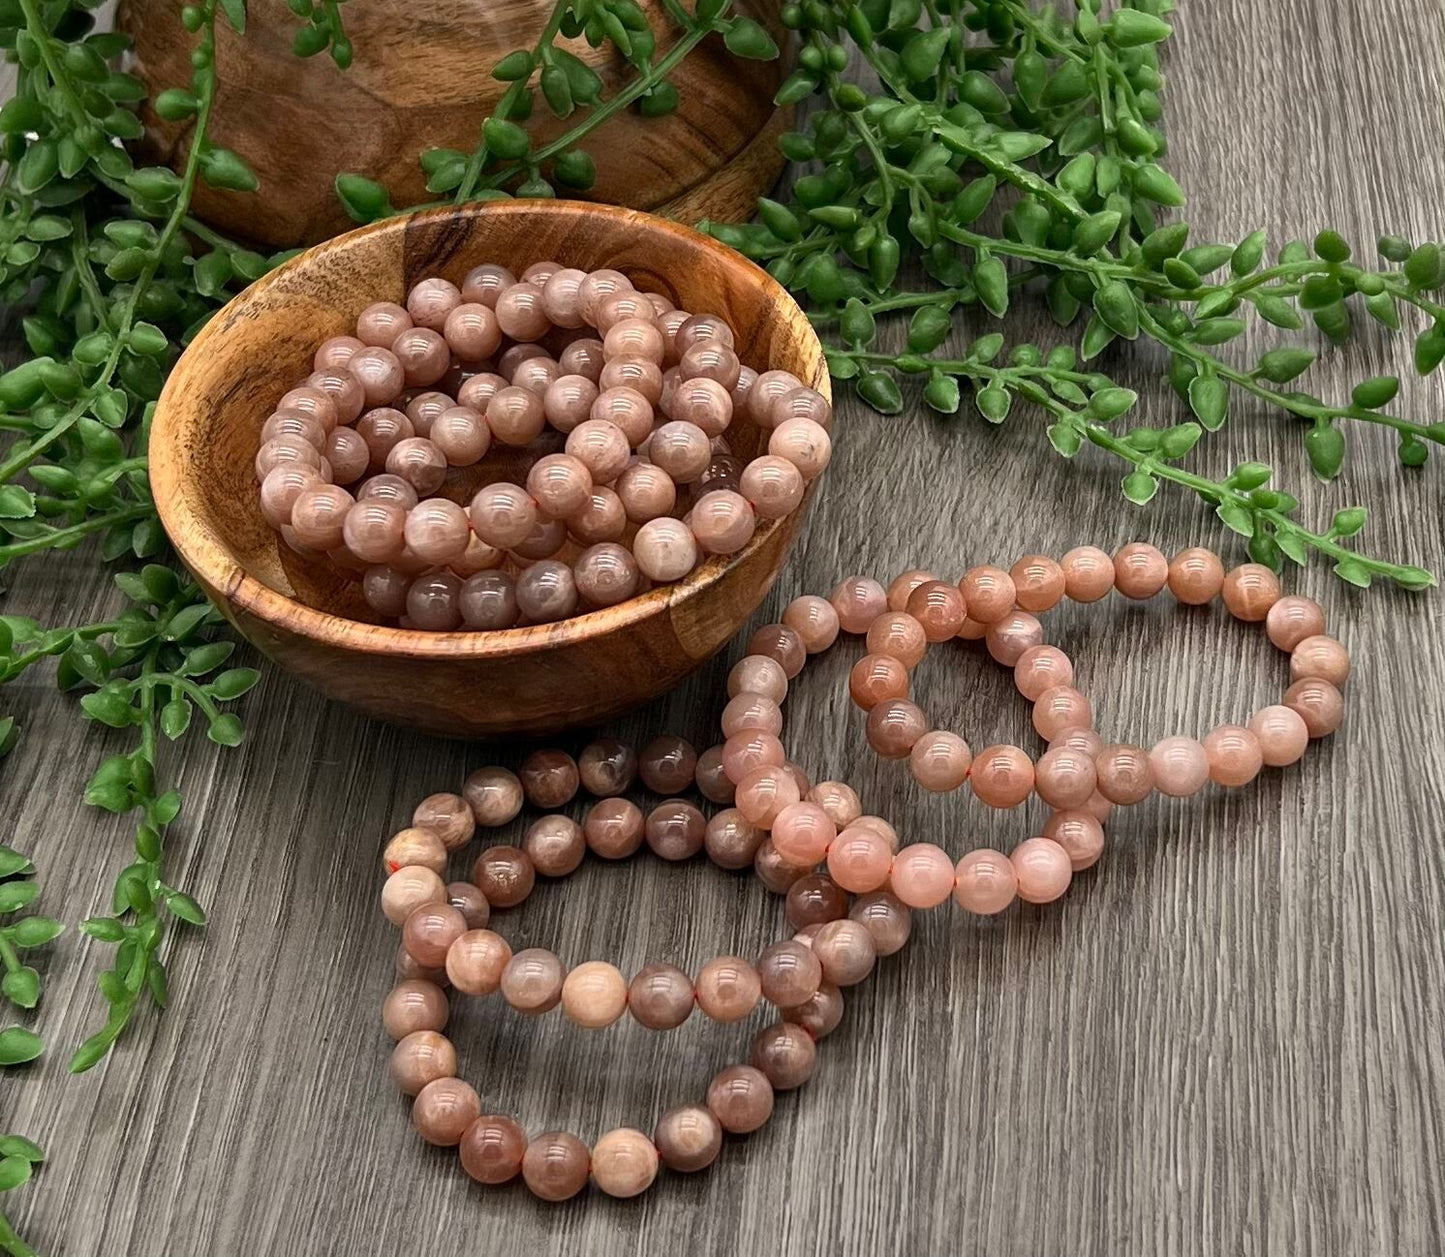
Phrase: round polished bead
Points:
(1079, 834)
(505, 875)
(766, 389)
(838, 799)
(814, 899)
(788, 973)
(940, 761)
(568, 401)
(485, 283)
(1250, 590)
(755, 712)
(1088, 574)
(765, 792)
(707, 404)
(1125, 774)
(443, 1109)
(802, 832)
(1235, 755)
(741, 1098)
(1010, 636)
(1140, 570)
(781, 644)
(666, 764)
(476, 960)
(1322, 657)
(814, 620)
(1195, 576)
(785, 1054)
(887, 919)
(549, 778)
(407, 889)
(803, 443)
(613, 828)
(859, 601)
(516, 416)
(688, 1138)
(675, 830)
(414, 846)
(845, 950)
(471, 903)
(922, 875)
(431, 301)
(1059, 709)
(876, 679)
(448, 816)
(603, 519)
(1002, 776)
(758, 674)
(939, 608)
(894, 728)
(546, 591)
(728, 988)
(532, 981)
(1292, 619)
(731, 841)
(1065, 777)
(607, 767)
(381, 323)
(1318, 703)
(985, 882)
(422, 1058)
(1038, 582)
(665, 549)
(901, 588)
(1043, 870)
(412, 1005)
(1282, 733)
(859, 860)
(494, 794)
(773, 485)
(555, 1166)
(1180, 766)
(624, 1163)
(594, 994)
(1041, 668)
(822, 1012)
(555, 845)
(503, 515)
(773, 871)
(989, 593)
(429, 930)
(492, 1149)
(661, 997)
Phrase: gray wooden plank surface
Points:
(1227, 1038)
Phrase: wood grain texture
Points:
(306, 615)
(1226, 1039)
(427, 83)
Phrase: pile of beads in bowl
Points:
(850, 884)
(632, 481)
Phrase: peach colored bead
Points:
(294, 423)
(472, 332)
(773, 871)
(624, 1163)
(443, 1110)
(940, 761)
(417, 461)
(765, 792)
(1322, 657)
(749, 750)
(1250, 590)
(411, 1005)
(335, 352)
(985, 882)
(381, 323)
(885, 918)
(505, 875)
(568, 402)
(461, 434)
(1140, 570)
(822, 1012)
(430, 301)
(757, 674)
(516, 416)
(665, 549)
(613, 829)
(476, 960)
(594, 994)
(601, 447)
(972, 630)
(901, 588)
(773, 485)
(1318, 703)
(1041, 668)
(802, 832)
(495, 796)
(1282, 734)
(318, 515)
(876, 679)
(1065, 777)
(629, 409)
(803, 443)
(430, 930)
(1079, 738)
(1043, 868)
(424, 356)
(1088, 574)
(728, 989)
(898, 634)
(769, 386)
(492, 1149)
(421, 1058)
(894, 728)
(437, 530)
(989, 592)
(379, 374)
(939, 607)
(602, 519)
(646, 492)
(1002, 776)
(485, 283)
(922, 875)
(1180, 766)
(409, 888)
(708, 405)
(838, 799)
(480, 389)
(814, 620)
(1007, 638)
(583, 357)
(1079, 834)
(1125, 774)
(751, 711)
(1292, 619)
(532, 981)
(845, 950)
(741, 1098)
(447, 815)
(560, 484)
(1235, 755)
(1060, 709)
(1038, 582)
(661, 997)
(859, 860)
(859, 601)
(555, 1166)
(348, 455)
(722, 522)
(412, 846)
(799, 403)
(1195, 576)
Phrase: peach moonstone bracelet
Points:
(811, 843)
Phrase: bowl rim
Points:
(209, 558)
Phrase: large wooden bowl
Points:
(310, 618)
(421, 79)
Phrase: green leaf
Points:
(1097, 337)
(942, 394)
(990, 278)
(1094, 232)
(1116, 308)
(1236, 517)
(104, 929)
(1155, 184)
(226, 730)
(13, 862)
(746, 38)
(233, 683)
(35, 931)
(16, 895)
(19, 1146)
(21, 987)
(364, 199)
(1133, 28)
(1139, 486)
(1430, 349)
(1376, 392)
(880, 390)
(1110, 403)
(1282, 365)
(235, 11)
(928, 329)
(1354, 572)
(18, 1045)
(222, 168)
(1065, 438)
(13, 1172)
(1177, 441)
(1279, 312)
(16, 502)
(1209, 400)
(1248, 254)
(1422, 267)
(176, 717)
(186, 908)
(993, 403)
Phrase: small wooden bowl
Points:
(310, 618)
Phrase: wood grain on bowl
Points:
(310, 617)
(425, 82)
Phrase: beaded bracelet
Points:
(644, 409)
(787, 828)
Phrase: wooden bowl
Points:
(422, 79)
(310, 618)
